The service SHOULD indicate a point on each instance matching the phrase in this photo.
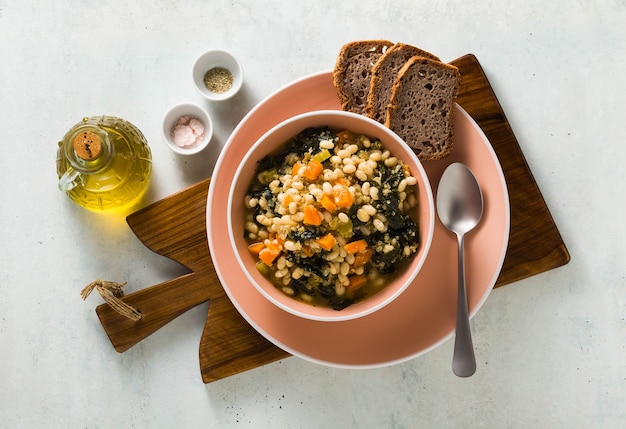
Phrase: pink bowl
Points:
(272, 140)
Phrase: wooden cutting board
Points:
(176, 228)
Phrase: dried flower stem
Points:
(111, 292)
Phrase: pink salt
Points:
(188, 131)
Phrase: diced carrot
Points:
(361, 258)
(255, 248)
(287, 199)
(269, 253)
(313, 169)
(341, 181)
(343, 197)
(356, 282)
(326, 242)
(296, 168)
(355, 246)
(312, 216)
(328, 203)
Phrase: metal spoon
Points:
(460, 207)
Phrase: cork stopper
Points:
(87, 145)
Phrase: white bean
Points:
(297, 273)
(306, 297)
(327, 144)
(349, 169)
(362, 215)
(374, 193)
(332, 269)
(339, 289)
(343, 153)
(291, 246)
(281, 263)
(379, 225)
(376, 155)
(344, 269)
(365, 188)
(360, 175)
(343, 279)
(369, 209)
(392, 161)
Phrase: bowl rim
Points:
(426, 234)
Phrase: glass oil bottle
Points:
(104, 163)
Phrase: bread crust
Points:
(421, 107)
(352, 72)
(384, 73)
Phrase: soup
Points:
(328, 217)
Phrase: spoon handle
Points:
(463, 360)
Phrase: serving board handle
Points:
(174, 227)
(158, 305)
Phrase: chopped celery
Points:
(265, 177)
(263, 268)
(322, 155)
(344, 228)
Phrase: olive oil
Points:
(104, 163)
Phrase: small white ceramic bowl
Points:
(217, 59)
(273, 140)
(172, 117)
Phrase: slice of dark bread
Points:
(421, 106)
(384, 74)
(353, 71)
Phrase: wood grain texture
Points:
(176, 228)
(535, 244)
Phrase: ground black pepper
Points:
(218, 80)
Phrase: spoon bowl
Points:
(460, 207)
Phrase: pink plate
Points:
(419, 319)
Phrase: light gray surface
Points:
(550, 349)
